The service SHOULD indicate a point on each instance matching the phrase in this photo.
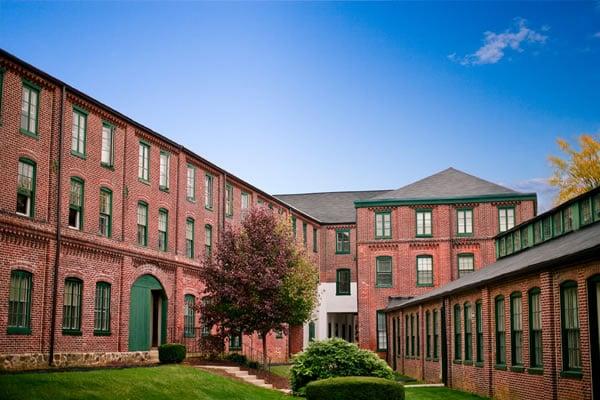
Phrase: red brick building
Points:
(526, 326)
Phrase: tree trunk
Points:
(264, 346)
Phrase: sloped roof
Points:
(329, 207)
(449, 183)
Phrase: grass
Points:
(438, 393)
(174, 382)
(281, 370)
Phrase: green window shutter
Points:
(383, 270)
(78, 132)
(102, 309)
(19, 303)
(189, 312)
(73, 294)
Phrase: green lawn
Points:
(281, 370)
(178, 382)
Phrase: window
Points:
(516, 329)
(189, 316)
(207, 240)
(427, 334)
(457, 335)
(311, 331)
(418, 333)
(535, 329)
(468, 332)
(163, 170)
(76, 204)
(557, 222)
(29, 109)
(500, 329)
(435, 334)
(342, 241)
(228, 200)
(107, 150)
(26, 187)
(570, 327)
(383, 266)
(424, 271)
(208, 191)
(479, 327)
(597, 207)
(537, 232)
(407, 335)
(163, 223)
(585, 211)
(278, 334)
(78, 132)
(381, 331)
(294, 227)
(205, 327)
(465, 222)
(189, 237)
(342, 282)
(304, 233)
(466, 264)
(568, 219)
(315, 247)
(144, 162)
(19, 302)
(525, 237)
(102, 309)
(142, 224)
(190, 187)
(517, 240)
(245, 201)
(412, 335)
(105, 222)
(509, 243)
(383, 225)
(547, 227)
(424, 223)
(72, 306)
(235, 342)
(506, 218)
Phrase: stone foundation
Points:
(33, 361)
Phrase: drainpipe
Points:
(58, 232)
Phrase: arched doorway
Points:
(147, 314)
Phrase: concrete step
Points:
(266, 386)
(253, 380)
(240, 374)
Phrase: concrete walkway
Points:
(424, 385)
(244, 375)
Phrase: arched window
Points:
(535, 329)
(457, 340)
(72, 306)
(479, 327)
(569, 313)
(516, 328)
(468, 332)
(26, 187)
(102, 309)
(19, 302)
(500, 331)
(189, 315)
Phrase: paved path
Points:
(244, 375)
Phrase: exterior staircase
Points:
(244, 375)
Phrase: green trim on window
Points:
(191, 198)
(380, 282)
(514, 331)
(342, 277)
(208, 191)
(78, 181)
(165, 245)
(72, 313)
(228, 200)
(29, 193)
(315, 238)
(533, 355)
(238, 344)
(19, 314)
(535, 371)
(457, 333)
(419, 283)
(304, 233)
(464, 256)
(423, 211)
(478, 333)
(189, 316)
(382, 345)
(340, 247)
(514, 218)
(79, 151)
(144, 171)
(108, 192)
(112, 128)
(207, 244)
(566, 356)
(465, 210)
(383, 235)
(571, 374)
(102, 309)
(144, 238)
(190, 243)
(500, 331)
(28, 131)
(164, 188)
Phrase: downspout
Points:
(58, 232)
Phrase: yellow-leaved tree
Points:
(579, 171)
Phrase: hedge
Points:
(355, 388)
(171, 353)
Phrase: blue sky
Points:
(305, 97)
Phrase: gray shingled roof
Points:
(580, 245)
(329, 207)
(448, 183)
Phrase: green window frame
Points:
(228, 200)
(547, 227)
(538, 232)
(517, 240)
(189, 315)
(568, 221)
(208, 191)
(26, 185)
(383, 272)
(500, 331)
(407, 336)
(208, 240)
(479, 331)
(570, 338)
(144, 162)
(557, 223)
(466, 264)
(78, 132)
(304, 233)
(506, 218)
(596, 201)
(424, 270)
(424, 223)
(189, 237)
(102, 309)
(245, 201)
(418, 334)
(107, 150)
(516, 329)
(468, 321)
(105, 211)
(294, 226)
(535, 329)
(427, 334)
(30, 106)
(586, 212)
(315, 240)
(142, 223)
(435, 334)
(163, 229)
(164, 167)
(457, 334)
(76, 201)
(190, 184)
(342, 241)
(381, 331)
(383, 225)
(19, 302)
(342, 282)
(311, 331)
(412, 335)
(205, 328)
(235, 342)
(464, 222)
(73, 294)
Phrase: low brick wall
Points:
(33, 361)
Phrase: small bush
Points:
(253, 364)
(332, 358)
(237, 358)
(171, 353)
(355, 388)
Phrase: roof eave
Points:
(446, 200)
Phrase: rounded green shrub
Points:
(237, 358)
(332, 358)
(355, 388)
(170, 353)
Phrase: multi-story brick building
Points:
(526, 326)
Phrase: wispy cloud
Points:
(496, 44)
(596, 35)
(545, 192)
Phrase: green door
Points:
(141, 321)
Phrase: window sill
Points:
(457, 362)
(467, 362)
(384, 286)
(500, 367)
(479, 364)
(101, 333)
(18, 331)
(424, 284)
(435, 359)
(163, 189)
(107, 166)
(381, 350)
(571, 374)
(383, 237)
(228, 215)
(144, 181)
(342, 252)
(342, 294)
(424, 236)
(517, 368)
(462, 235)
(71, 332)
(30, 134)
(78, 155)
(208, 208)
(235, 349)
(191, 199)
(535, 371)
